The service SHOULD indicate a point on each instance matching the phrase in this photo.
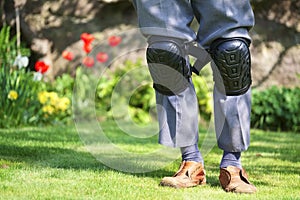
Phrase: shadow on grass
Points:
(62, 148)
(55, 148)
(54, 157)
(49, 157)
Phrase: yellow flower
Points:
(52, 102)
(63, 104)
(48, 109)
(54, 99)
(12, 95)
(43, 97)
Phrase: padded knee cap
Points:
(168, 65)
(232, 69)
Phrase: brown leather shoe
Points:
(190, 174)
(233, 179)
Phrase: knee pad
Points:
(168, 65)
(231, 66)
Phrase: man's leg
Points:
(232, 101)
(226, 37)
(166, 24)
(165, 18)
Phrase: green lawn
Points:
(53, 163)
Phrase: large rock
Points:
(276, 44)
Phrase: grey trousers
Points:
(178, 114)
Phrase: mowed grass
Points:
(53, 163)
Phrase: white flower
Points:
(37, 76)
(21, 61)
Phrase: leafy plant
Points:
(83, 101)
(17, 87)
(55, 109)
(142, 100)
(55, 100)
(203, 85)
(22, 91)
(139, 102)
(276, 109)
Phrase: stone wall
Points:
(276, 43)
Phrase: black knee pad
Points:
(231, 66)
(168, 65)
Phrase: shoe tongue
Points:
(182, 170)
(185, 168)
(233, 169)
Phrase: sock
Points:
(231, 158)
(191, 153)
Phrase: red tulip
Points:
(41, 66)
(102, 57)
(87, 47)
(114, 40)
(68, 55)
(88, 61)
(87, 38)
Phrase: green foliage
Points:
(63, 85)
(59, 94)
(17, 88)
(203, 85)
(142, 100)
(21, 95)
(83, 94)
(132, 78)
(276, 109)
